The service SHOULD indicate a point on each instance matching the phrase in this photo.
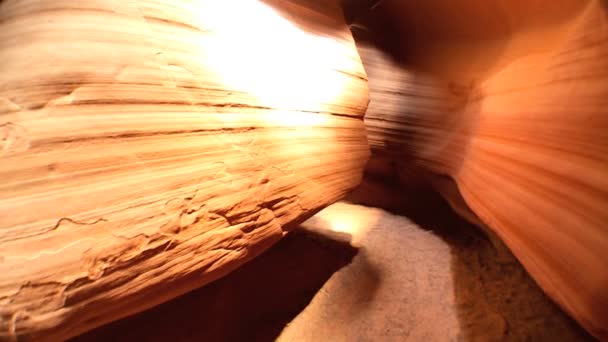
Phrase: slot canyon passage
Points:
(303, 170)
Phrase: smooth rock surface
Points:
(508, 99)
(148, 147)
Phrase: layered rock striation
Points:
(148, 147)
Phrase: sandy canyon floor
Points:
(359, 273)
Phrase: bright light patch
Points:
(346, 218)
(296, 119)
(255, 50)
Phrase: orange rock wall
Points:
(509, 100)
(149, 147)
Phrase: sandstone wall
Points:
(148, 147)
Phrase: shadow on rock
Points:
(255, 302)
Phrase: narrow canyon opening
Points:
(303, 170)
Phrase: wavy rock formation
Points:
(148, 147)
(509, 100)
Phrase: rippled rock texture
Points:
(503, 106)
(148, 147)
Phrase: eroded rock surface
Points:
(509, 102)
(148, 147)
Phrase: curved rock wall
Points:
(148, 147)
(536, 167)
(509, 100)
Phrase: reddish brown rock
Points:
(509, 101)
(150, 147)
